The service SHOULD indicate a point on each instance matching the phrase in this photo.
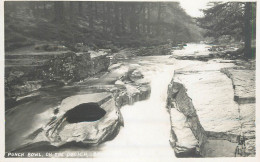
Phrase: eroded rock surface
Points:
(95, 127)
(187, 135)
(23, 69)
(58, 129)
(210, 85)
(212, 96)
(243, 80)
(244, 84)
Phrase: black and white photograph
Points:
(129, 80)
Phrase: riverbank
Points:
(219, 91)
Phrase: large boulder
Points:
(136, 75)
(132, 94)
(89, 119)
(187, 135)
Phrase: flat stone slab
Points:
(212, 96)
(247, 116)
(220, 148)
(244, 84)
(224, 100)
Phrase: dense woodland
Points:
(235, 21)
(98, 24)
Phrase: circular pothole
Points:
(86, 112)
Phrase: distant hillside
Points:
(97, 24)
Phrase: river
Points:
(146, 132)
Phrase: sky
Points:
(193, 7)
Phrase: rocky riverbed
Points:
(49, 126)
(207, 104)
(216, 94)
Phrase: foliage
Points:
(97, 23)
(223, 19)
(234, 19)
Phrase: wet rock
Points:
(247, 119)
(121, 55)
(132, 94)
(188, 136)
(14, 75)
(219, 148)
(222, 118)
(155, 50)
(114, 66)
(125, 90)
(213, 109)
(246, 64)
(61, 67)
(222, 136)
(89, 119)
(122, 99)
(25, 88)
(250, 147)
(135, 75)
(119, 82)
(244, 84)
(218, 48)
(194, 57)
(51, 47)
(99, 62)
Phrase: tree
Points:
(158, 29)
(98, 22)
(230, 18)
(71, 7)
(59, 11)
(91, 19)
(148, 18)
(116, 19)
(80, 8)
(247, 31)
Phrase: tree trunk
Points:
(80, 8)
(59, 11)
(148, 18)
(96, 10)
(108, 16)
(91, 21)
(123, 18)
(132, 18)
(158, 29)
(71, 7)
(143, 19)
(247, 31)
(116, 12)
(44, 8)
(104, 17)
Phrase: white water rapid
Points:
(146, 133)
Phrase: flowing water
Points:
(147, 127)
(146, 132)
